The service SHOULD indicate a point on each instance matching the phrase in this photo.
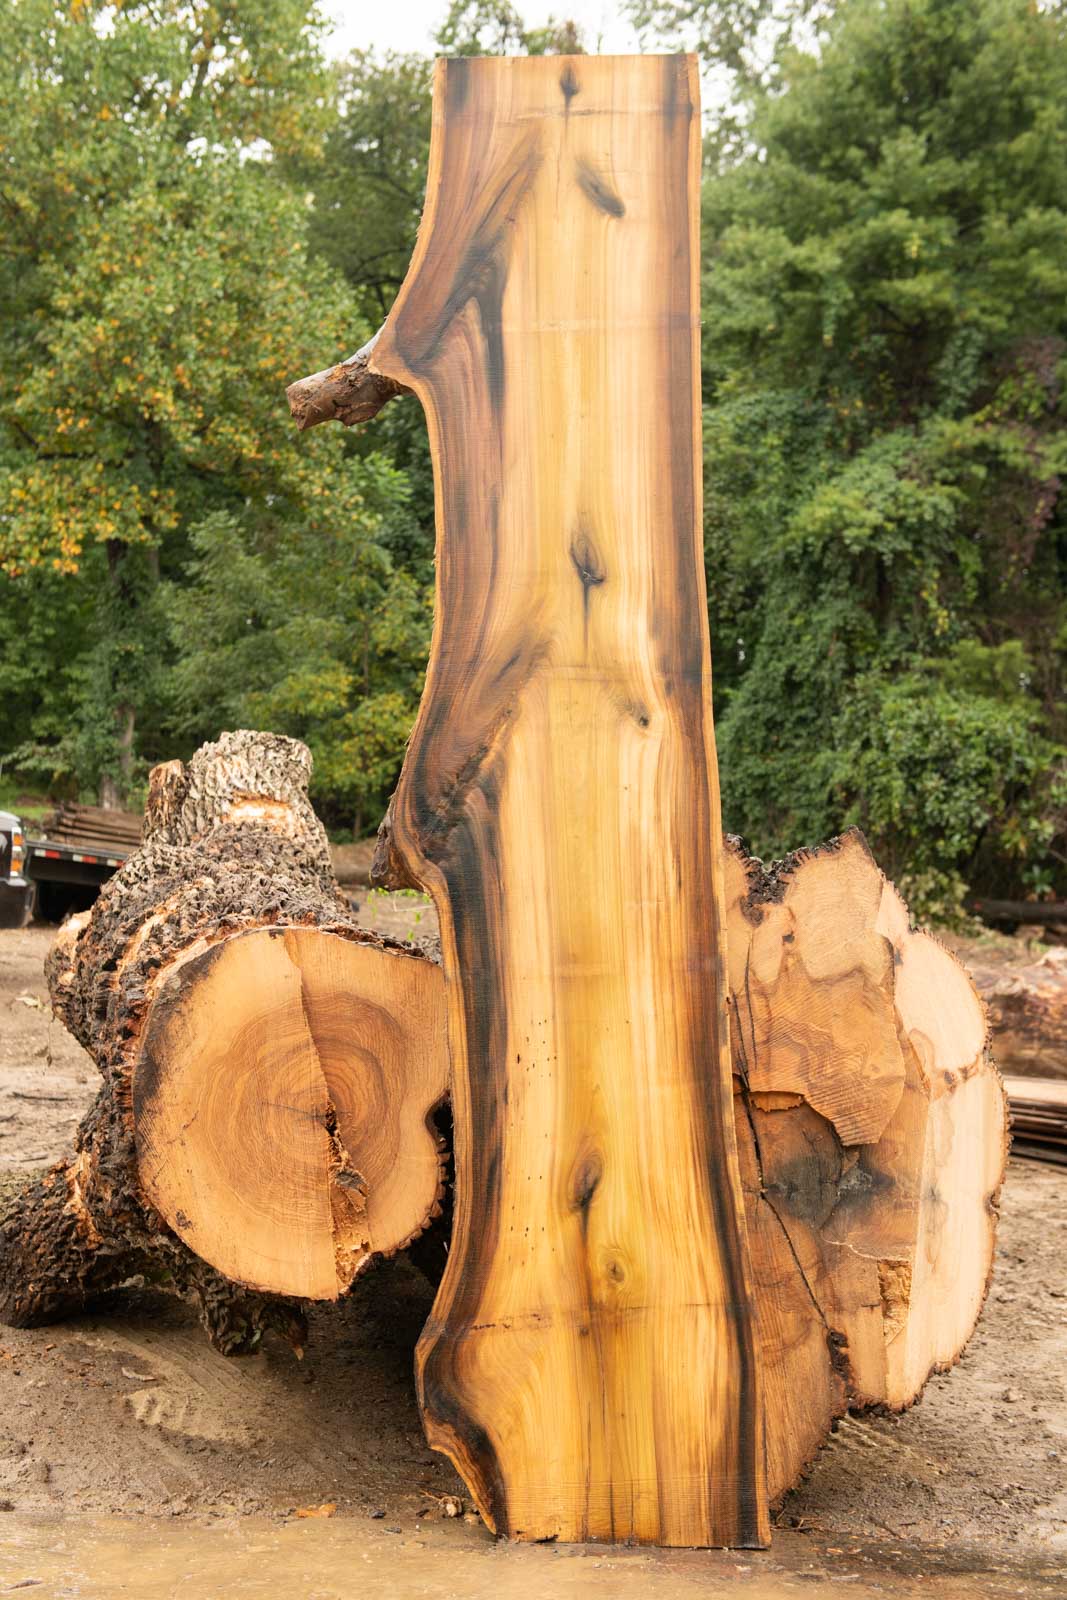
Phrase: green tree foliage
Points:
(741, 44)
(323, 637)
(886, 315)
(163, 292)
(495, 28)
(368, 180)
(197, 208)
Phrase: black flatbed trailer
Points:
(48, 875)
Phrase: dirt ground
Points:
(135, 1461)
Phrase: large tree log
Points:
(1027, 1000)
(870, 1121)
(590, 1364)
(873, 1130)
(268, 1067)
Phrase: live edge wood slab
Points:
(590, 1363)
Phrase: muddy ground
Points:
(127, 1413)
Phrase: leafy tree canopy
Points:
(886, 314)
(198, 207)
(164, 290)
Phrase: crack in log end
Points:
(894, 1286)
(840, 1362)
(568, 84)
(598, 190)
(348, 1206)
(350, 1179)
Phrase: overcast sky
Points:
(410, 24)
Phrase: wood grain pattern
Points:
(590, 1363)
(281, 1093)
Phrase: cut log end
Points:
(873, 1137)
(281, 1096)
(269, 1071)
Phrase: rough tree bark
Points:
(268, 1067)
(349, 392)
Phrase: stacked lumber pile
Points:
(94, 826)
(1038, 1118)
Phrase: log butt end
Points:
(281, 1095)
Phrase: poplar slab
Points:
(590, 1364)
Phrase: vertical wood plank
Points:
(590, 1362)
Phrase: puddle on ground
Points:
(82, 1558)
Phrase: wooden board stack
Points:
(1038, 1118)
